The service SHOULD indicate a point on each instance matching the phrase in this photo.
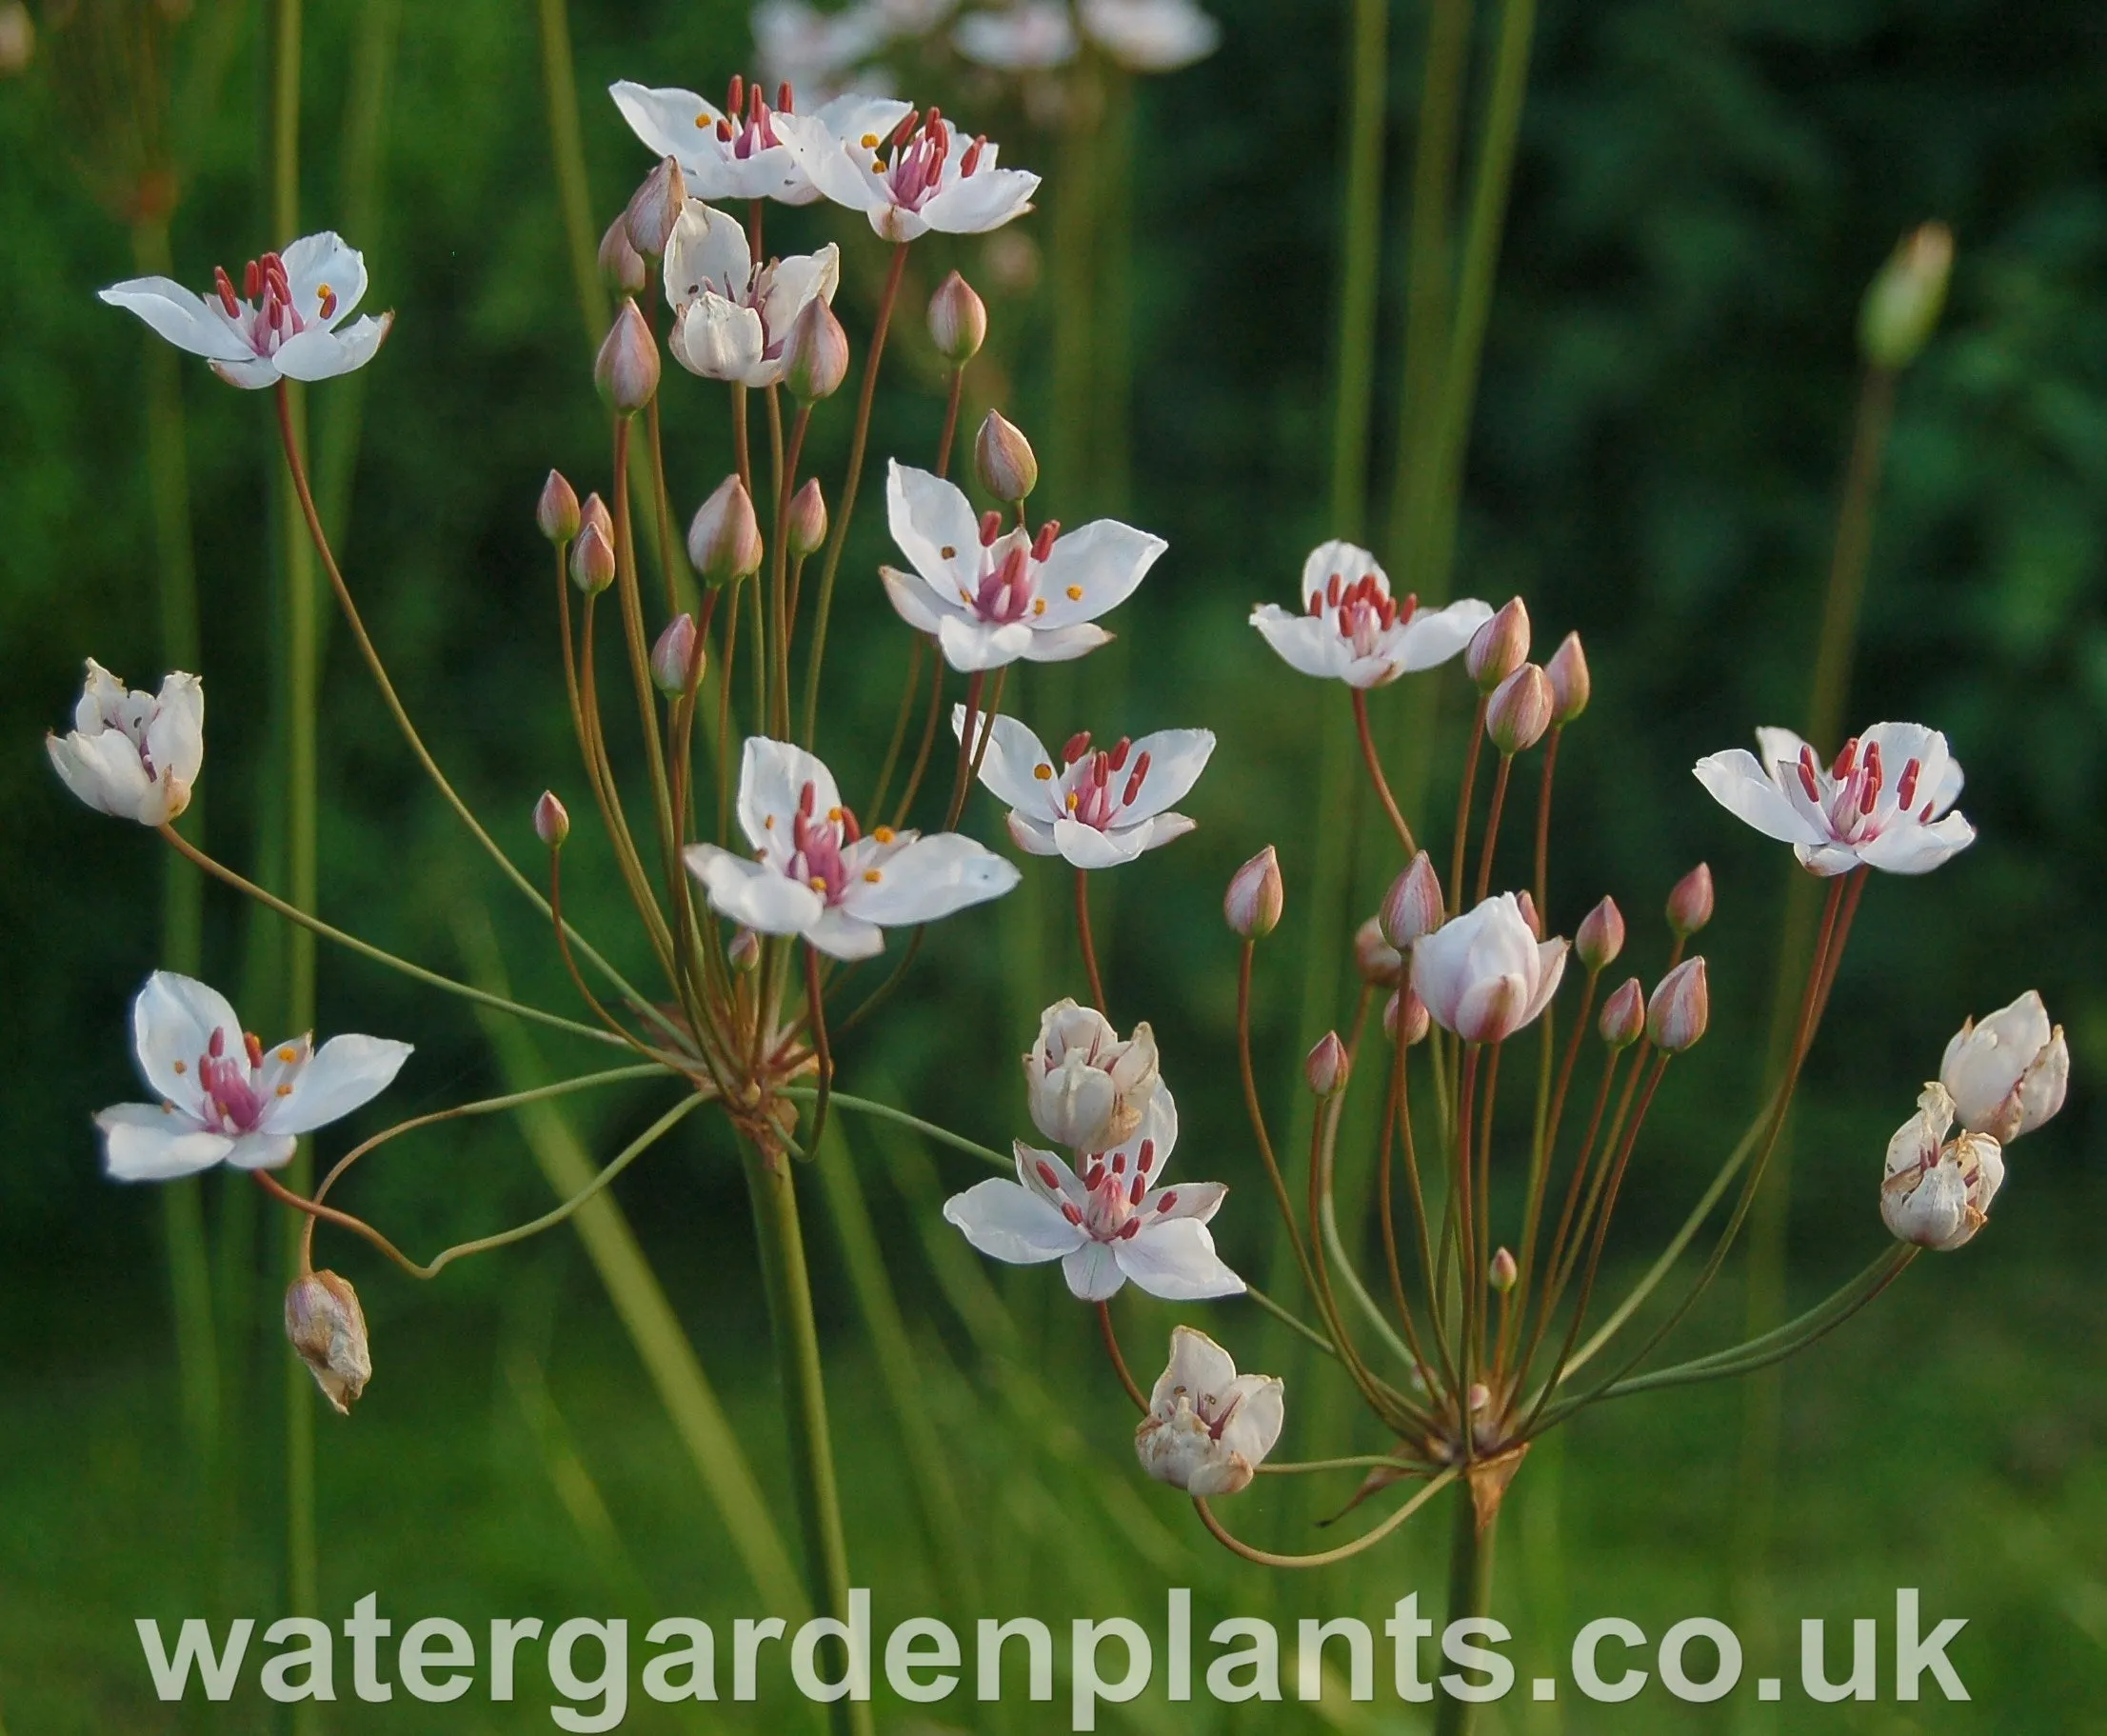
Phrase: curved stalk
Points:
(1119, 1361)
(1324, 1558)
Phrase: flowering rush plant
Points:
(757, 885)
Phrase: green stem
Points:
(884, 1111)
(560, 83)
(1470, 1593)
(1367, 67)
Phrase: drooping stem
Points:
(1324, 1558)
(1375, 775)
(1470, 1594)
(1082, 937)
(1119, 1362)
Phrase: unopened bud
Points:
(655, 207)
(1412, 906)
(1252, 904)
(677, 658)
(724, 540)
(743, 951)
(1378, 963)
(18, 39)
(1600, 936)
(1690, 904)
(1407, 1005)
(1525, 901)
(594, 515)
(622, 268)
(1499, 648)
(1681, 1008)
(593, 561)
(807, 528)
(1624, 1015)
(1003, 459)
(552, 820)
(958, 321)
(626, 370)
(556, 512)
(1570, 685)
(1902, 304)
(1326, 1067)
(1520, 710)
(1502, 1272)
(815, 355)
(327, 1329)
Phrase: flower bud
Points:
(655, 207)
(743, 951)
(807, 528)
(1326, 1067)
(1003, 460)
(1089, 1090)
(622, 268)
(1520, 710)
(1499, 647)
(1690, 903)
(1412, 906)
(1532, 918)
(1375, 961)
(18, 39)
(1681, 1008)
(1407, 1005)
(1502, 1272)
(1600, 936)
(552, 820)
(1252, 904)
(626, 370)
(593, 561)
(958, 321)
(327, 1329)
(2010, 1073)
(1936, 1192)
(815, 354)
(724, 540)
(557, 511)
(594, 514)
(1902, 304)
(1570, 685)
(677, 658)
(1624, 1015)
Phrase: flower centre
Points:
(1098, 788)
(1849, 795)
(1008, 590)
(816, 845)
(1114, 1212)
(265, 313)
(913, 159)
(232, 1098)
(1363, 611)
(755, 132)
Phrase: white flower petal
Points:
(319, 354)
(1175, 1259)
(1088, 848)
(1033, 836)
(346, 1072)
(772, 776)
(1092, 1273)
(1176, 759)
(841, 935)
(670, 122)
(1006, 1222)
(1434, 635)
(1305, 642)
(1103, 562)
(1010, 765)
(263, 1151)
(173, 1021)
(144, 1142)
(935, 526)
(1063, 644)
(970, 645)
(912, 601)
(187, 320)
(764, 899)
(930, 878)
(1911, 848)
(1736, 780)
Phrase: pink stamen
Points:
(1808, 773)
(1047, 1175)
(226, 288)
(1044, 546)
(1134, 783)
(991, 528)
(1905, 791)
(1078, 744)
(1147, 1155)
(808, 797)
(1118, 753)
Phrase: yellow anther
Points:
(834, 814)
(947, 552)
(285, 1090)
(884, 834)
(819, 883)
(1071, 801)
(323, 291)
(874, 875)
(182, 1066)
(1039, 606)
(1042, 771)
(1075, 593)
(870, 141)
(768, 823)
(702, 120)
(289, 1054)
(876, 166)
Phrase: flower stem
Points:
(1470, 1594)
(1469, 789)
(1119, 1362)
(1361, 252)
(1491, 840)
(1374, 774)
(1324, 1558)
(815, 1011)
(1082, 935)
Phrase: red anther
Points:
(756, 105)
(1094, 1175)
(1069, 1212)
(253, 280)
(1924, 813)
(783, 97)
(1140, 1188)
(1316, 602)
(1808, 773)
(724, 130)
(1146, 1157)
(1047, 1174)
(226, 288)
(1346, 624)
(254, 1045)
(1332, 589)
(1164, 1204)
(971, 161)
(1905, 791)
(1871, 793)
(1078, 744)
(218, 1046)
(1044, 546)
(1134, 783)
(1098, 767)
(1410, 606)
(1386, 612)
(1119, 1163)
(934, 125)
(851, 830)
(1846, 758)
(808, 797)
(991, 528)
(905, 130)
(1129, 1230)
(1118, 753)
(329, 303)
(735, 95)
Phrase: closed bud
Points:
(1326, 1067)
(958, 321)
(1375, 961)
(1681, 1008)
(1412, 906)
(1690, 903)
(1407, 1005)
(807, 528)
(1600, 936)
(552, 820)
(1624, 1015)
(655, 207)
(622, 268)
(677, 658)
(594, 515)
(1520, 710)
(1502, 1272)
(1003, 460)
(626, 370)
(724, 540)
(815, 355)
(1532, 918)
(743, 951)
(1902, 306)
(556, 512)
(1499, 648)
(1570, 685)
(327, 1329)
(1252, 905)
(593, 561)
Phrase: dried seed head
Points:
(327, 1329)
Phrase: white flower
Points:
(1208, 1427)
(916, 177)
(1089, 1090)
(283, 325)
(1111, 1223)
(1884, 804)
(130, 754)
(989, 597)
(1026, 38)
(2008, 1074)
(1936, 1192)
(225, 1097)
(1150, 35)
(730, 317)
(1485, 975)
(1096, 810)
(740, 156)
(1352, 629)
(815, 874)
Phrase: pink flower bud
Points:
(1502, 1272)
(327, 1329)
(1690, 904)
(626, 370)
(556, 512)
(1378, 963)
(1600, 936)
(807, 522)
(815, 354)
(1407, 1005)
(1499, 648)
(622, 268)
(1520, 710)
(593, 560)
(743, 951)
(677, 658)
(1681, 1008)
(1413, 904)
(594, 514)
(1525, 901)
(1570, 685)
(724, 540)
(552, 820)
(1252, 904)
(1327, 1066)
(655, 207)
(1624, 1015)
(1902, 306)
(958, 321)
(1003, 460)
